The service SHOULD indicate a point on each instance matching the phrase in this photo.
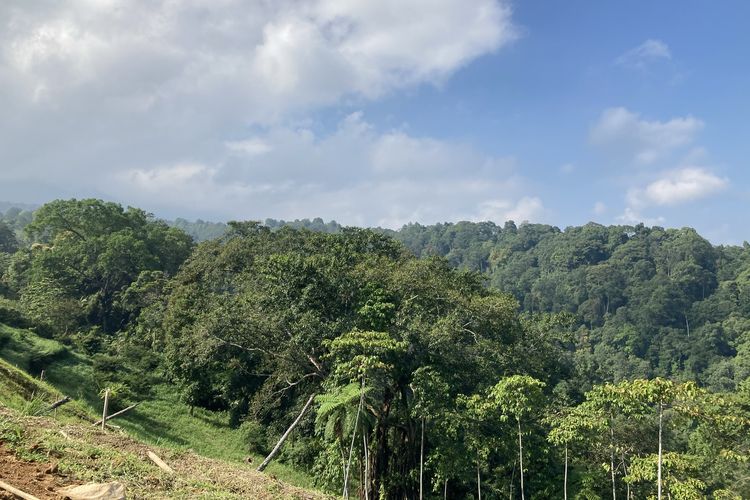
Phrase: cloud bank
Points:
(211, 105)
(357, 175)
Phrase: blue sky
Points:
(382, 113)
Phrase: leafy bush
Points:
(11, 314)
(40, 360)
(256, 437)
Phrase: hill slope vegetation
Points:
(447, 359)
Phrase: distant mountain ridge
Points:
(7, 205)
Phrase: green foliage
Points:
(516, 396)
(603, 342)
(200, 230)
(88, 253)
(8, 240)
(12, 314)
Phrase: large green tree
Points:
(91, 251)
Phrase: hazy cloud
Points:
(625, 134)
(644, 54)
(631, 216)
(355, 174)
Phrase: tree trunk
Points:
(366, 481)
(421, 463)
(625, 471)
(612, 457)
(479, 483)
(354, 435)
(565, 480)
(520, 456)
(445, 490)
(276, 448)
(379, 467)
(658, 467)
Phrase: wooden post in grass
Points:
(106, 407)
(110, 417)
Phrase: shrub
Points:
(11, 314)
(254, 434)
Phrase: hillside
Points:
(208, 456)
(382, 362)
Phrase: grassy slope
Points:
(163, 421)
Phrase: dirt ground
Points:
(38, 479)
(194, 477)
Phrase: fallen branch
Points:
(158, 461)
(286, 435)
(17, 492)
(59, 403)
(110, 417)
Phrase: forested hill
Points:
(649, 301)
(398, 363)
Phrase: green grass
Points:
(68, 372)
(162, 420)
(165, 421)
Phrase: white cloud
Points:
(631, 216)
(600, 208)
(678, 186)
(196, 105)
(268, 59)
(644, 54)
(528, 208)
(624, 133)
(567, 169)
(356, 175)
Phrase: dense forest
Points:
(458, 360)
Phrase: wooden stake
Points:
(17, 492)
(110, 417)
(158, 461)
(106, 407)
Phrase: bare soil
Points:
(117, 457)
(38, 479)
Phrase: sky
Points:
(381, 113)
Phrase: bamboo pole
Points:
(17, 492)
(158, 461)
